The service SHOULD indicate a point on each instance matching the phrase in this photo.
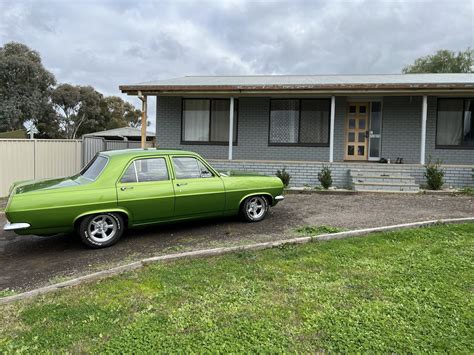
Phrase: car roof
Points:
(143, 152)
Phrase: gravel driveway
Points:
(27, 262)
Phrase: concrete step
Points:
(385, 179)
(386, 186)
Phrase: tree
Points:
(443, 61)
(25, 86)
(78, 108)
(119, 113)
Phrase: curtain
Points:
(196, 120)
(284, 125)
(450, 117)
(220, 121)
(314, 121)
(469, 123)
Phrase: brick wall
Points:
(306, 173)
(401, 133)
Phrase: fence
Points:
(92, 145)
(28, 159)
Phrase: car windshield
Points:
(94, 168)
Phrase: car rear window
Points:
(94, 168)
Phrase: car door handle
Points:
(123, 188)
(181, 184)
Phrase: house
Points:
(122, 133)
(302, 122)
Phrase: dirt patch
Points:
(28, 261)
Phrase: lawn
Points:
(408, 291)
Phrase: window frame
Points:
(132, 161)
(461, 146)
(209, 142)
(299, 143)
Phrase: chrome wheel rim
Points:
(102, 228)
(256, 207)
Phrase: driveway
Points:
(27, 262)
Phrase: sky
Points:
(108, 43)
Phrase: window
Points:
(455, 126)
(189, 168)
(143, 170)
(299, 122)
(94, 168)
(207, 120)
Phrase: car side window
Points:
(143, 170)
(189, 168)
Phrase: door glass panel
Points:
(351, 137)
(362, 123)
(374, 147)
(350, 150)
(376, 118)
(186, 168)
(360, 150)
(362, 109)
(352, 123)
(361, 137)
(352, 109)
(130, 174)
(151, 169)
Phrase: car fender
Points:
(105, 210)
(258, 193)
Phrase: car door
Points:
(146, 190)
(198, 191)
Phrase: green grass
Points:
(316, 230)
(6, 292)
(407, 291)
(469, 191)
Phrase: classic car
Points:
(132, 188)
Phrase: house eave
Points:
(388, 89)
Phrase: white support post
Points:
(424, 113)
(231, 126)
(331, 129)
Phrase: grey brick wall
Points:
(401, 133)
(306, 173)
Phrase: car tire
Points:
(254, 208)
(101, 230)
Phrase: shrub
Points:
(324, 177)
(434, 175)
(284, 176)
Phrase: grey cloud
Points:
(107, 43)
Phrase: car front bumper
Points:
(15, 226)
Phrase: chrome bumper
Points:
(14, 226)
(279, 198)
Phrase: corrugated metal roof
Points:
(121, 132)
(264, 80)
(255, 84)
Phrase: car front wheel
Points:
(255, 208)
(101, 230)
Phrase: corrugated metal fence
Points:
(28, 159)
(92, 145)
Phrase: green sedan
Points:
(133, 188)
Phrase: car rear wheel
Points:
(101, 230)
(254, 208)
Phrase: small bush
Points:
(434, 175)
(324, 177)
(284, 176)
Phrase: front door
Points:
(357, 123)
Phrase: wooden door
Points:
(357, 123)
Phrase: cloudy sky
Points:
(108, 43)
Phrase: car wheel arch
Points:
(124, 214)
(266, 195)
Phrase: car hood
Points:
(45, 184)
